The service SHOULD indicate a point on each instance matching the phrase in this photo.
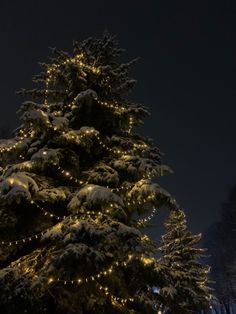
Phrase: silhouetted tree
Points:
(221, 241)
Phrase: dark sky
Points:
(186, 76)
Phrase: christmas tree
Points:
(184, 282)
(77, 190)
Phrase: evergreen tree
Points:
(76, 191)
(221, 241)
(183, 279)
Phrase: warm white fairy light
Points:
(78, 60)
(112, 105)
(24, 240)
(47, 213)
(69, 176)
(9, 148)
(145, 220)
(86, 215)
(49, 77)
(108, 271)
(93, 278)
(131, 121)
(79, 281)
(120, 151)
(116, 151)
(114, 298)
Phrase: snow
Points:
(52, 195)
(102, 173)
(60, 123)
(38, 117)
(47, 156)
(144, 188)
(93, 195)
(16, 187)
(134, 165)
(82, 137)
(19, 144)
(85, 95)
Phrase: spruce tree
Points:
(76, 191)
(183, 280)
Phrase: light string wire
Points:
(24, 240)
(9, 148)
(105, 273)
(115, 151)
(108, 271)
(139, 222)
(49, 78)
(77, 60)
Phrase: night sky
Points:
(186, 76)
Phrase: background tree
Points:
(184, 280)
(221, 241)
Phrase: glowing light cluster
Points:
(78, 60)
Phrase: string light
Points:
(130, 124)
(114, 298)
(24, 240)
(50, 72)
(13, 146)
(97, 276)
(104, 273)
(47, 213)
(118, 108)
(69, 176)
(78, 61)
(136, 146)
(79, 281)
(88, 214)
(85, 182)
(145, 220)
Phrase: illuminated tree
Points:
(76, 191)
(184, 282)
